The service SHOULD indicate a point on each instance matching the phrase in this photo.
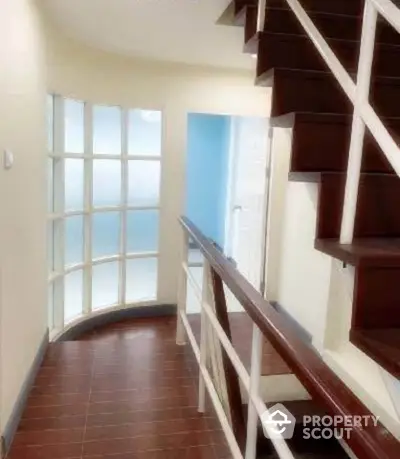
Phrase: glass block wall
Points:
(104, 172)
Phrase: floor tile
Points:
(121, 391)
(48, 437)
(60, 451)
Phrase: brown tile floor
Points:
(123, 391)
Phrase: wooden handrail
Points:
(367, 442)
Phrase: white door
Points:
(247, 206)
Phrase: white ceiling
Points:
(169, 30)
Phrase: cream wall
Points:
(22, 197)
(304, 273)
(87, 74)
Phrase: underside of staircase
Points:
(307, 98)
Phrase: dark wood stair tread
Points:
(331, 24)
(317, 75)
(295, 51)
(319, 92)
(382, 345)
(320, 143)
(283, 22)
(348, 7)
(323, 118)
(337, 7)
(384, 252)
(324, 455)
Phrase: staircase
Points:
(307, 98)
(301, 448)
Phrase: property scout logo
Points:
(278, 422)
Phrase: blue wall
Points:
(207, 173)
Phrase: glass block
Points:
(50, 185)
(73, 240)
(50, 122)
(74, 115)
(58, 247)
(50, 246)
(106, 182)
(105, 285)
(144, 183)
(106, 232)
(73, 295)
(141, 279)
(73, 184)
(106, 130)
(50, 305)
(142, 231)
(144, 132)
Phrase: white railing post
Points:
(204, 333)
(358, 127)
(182, 289)
(203, 362)
(262, 4)
(255, 372)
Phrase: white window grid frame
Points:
(57, 216)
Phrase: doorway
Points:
(226, 186)
(247, 197)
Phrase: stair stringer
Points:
(291, 226)
(326, 316)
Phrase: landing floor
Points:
(125, 391)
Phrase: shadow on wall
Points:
(207, 169)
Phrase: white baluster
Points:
(203, 335)
(182, 289)
(255, 372)
(261, 15)
(358, 128)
